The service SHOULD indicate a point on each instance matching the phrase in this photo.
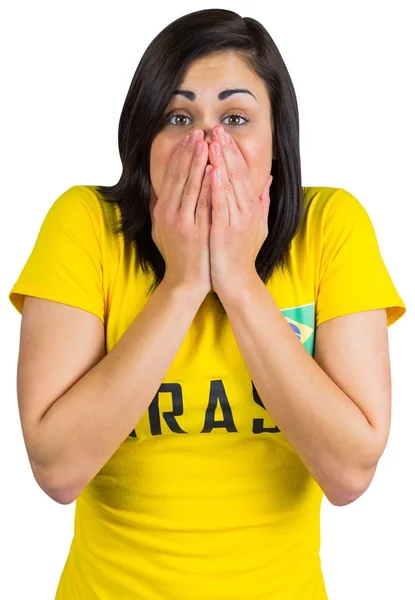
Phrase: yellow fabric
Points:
(205, 499)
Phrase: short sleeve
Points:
(353, 275)
(65, 264)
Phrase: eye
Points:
(238, 116)
(177, 114)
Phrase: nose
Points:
(208, 133)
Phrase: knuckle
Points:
(234, 173)
(177, 155)
(200, 157)
(169, 217)
(244, 171)
(169, 174)
(221, 204)
(181, 173)
(191, 189)
(228, 188)
(233, 148)
(203, 200)
(205, 183)
(227, 150)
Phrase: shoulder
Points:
(80, 208)
(328, 208)
(82, 197)
(75, 201)
(321, 200)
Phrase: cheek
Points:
(256, 151)
(258, 157)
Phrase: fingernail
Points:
(199, 148)
(216, 148)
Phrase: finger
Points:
(203, 216)
(183, 164)
(237, 171)
(192, 188)
(170, 171)
(228, 209)
(221, 216)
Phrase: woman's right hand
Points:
(181, 218)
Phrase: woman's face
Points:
(247, 119)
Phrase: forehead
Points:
(211, 74)
(224, 61)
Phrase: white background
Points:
(66, 68)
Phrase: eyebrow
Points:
(221, 96)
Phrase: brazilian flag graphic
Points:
(301, 321)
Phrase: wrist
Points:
(235, 286)
(191, 291)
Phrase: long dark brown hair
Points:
(157, 76)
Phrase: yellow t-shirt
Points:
(205, 499)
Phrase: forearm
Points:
(329, 432)
(84, 428)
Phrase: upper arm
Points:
(58, 345)
(354, 352)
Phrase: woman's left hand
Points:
(239, 217)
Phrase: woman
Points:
(196, 433)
